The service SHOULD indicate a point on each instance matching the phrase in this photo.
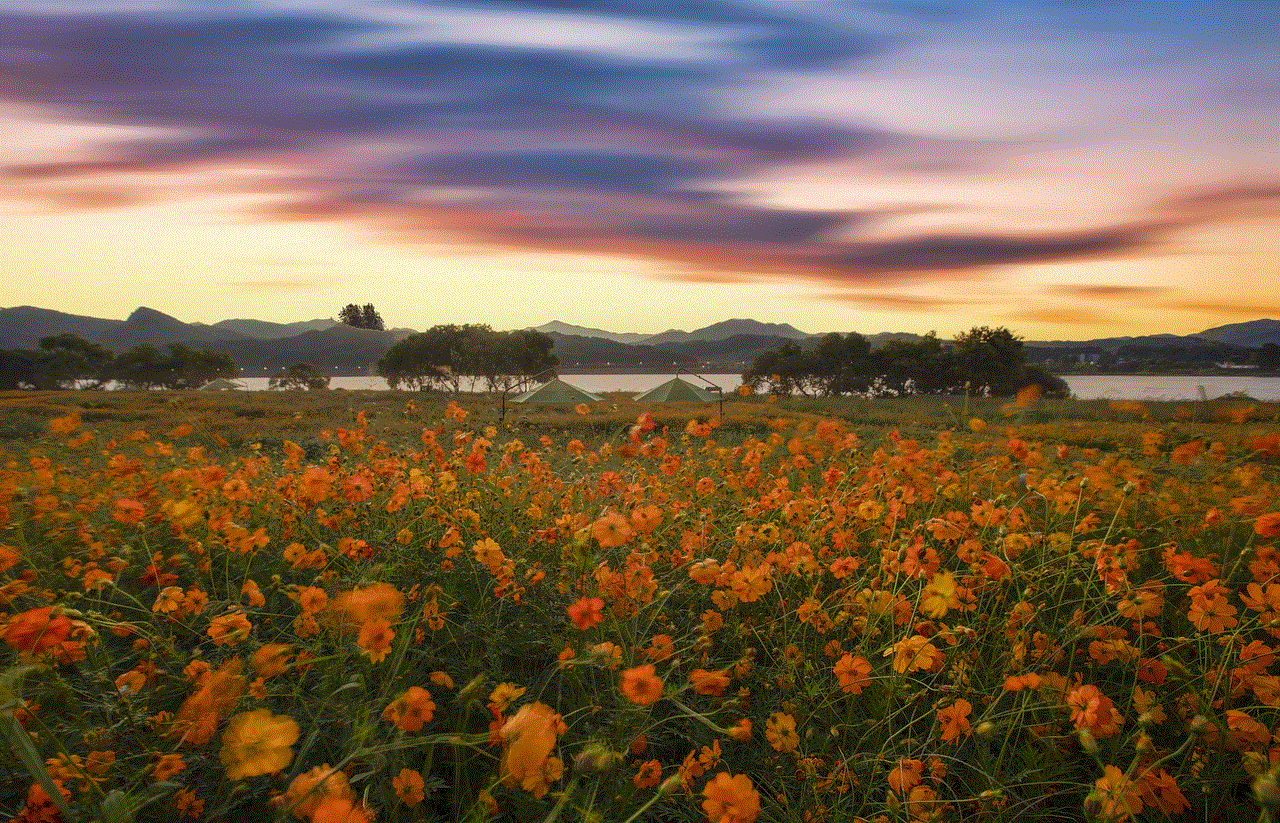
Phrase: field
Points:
(351, 606)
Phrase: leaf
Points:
(118, 807)
(20, 742)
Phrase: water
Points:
(594, 383)
(1084, 387)
(1170, 387)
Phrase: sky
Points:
(1068, 169)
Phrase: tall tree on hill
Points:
(361, 317)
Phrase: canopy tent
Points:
(222, 384)
(677, 391)
(556, 392)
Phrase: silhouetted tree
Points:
(300, 376)
(443, 356)
(989, 361)
(361, 317)
(371, 318)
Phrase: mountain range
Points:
(729, 346)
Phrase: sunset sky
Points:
(1069, 170)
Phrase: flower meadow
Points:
(774, 616)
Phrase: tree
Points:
(142, 367)
(66, 359)
(989, 361)
(371, 318)
(17, 369)
(146, 367)
(443, 356)
(914, 366)
(361, 317)
(299, 376)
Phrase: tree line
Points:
(981, 361)
(446, 357)
(67, 361)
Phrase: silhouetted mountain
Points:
(339, 349)
(571, 330)
(263, 330)
(1114, 343)
(726, 329)
(587, 354)
(24, 326)
(1255, 333)
(733, 354)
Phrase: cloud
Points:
(1108, 291)
(956, 252)
(386, 123)
(1248, 309)
(1061, 315)
(901, 302)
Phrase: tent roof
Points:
(222, 384)
(677, 391)
(556, 392)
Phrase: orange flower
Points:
(1267, 525)
(37, 630)
(257, 742)
(906, 775)
(309, 789)
(1018, 682)
(530, 736)
(271, 659)
(411, 710)
(915, 653)
(1114, 797)
(646, 518)
(168, 766)
(229, 629)
(587, 612)
(375, 639)
(780, 731)
(853, 674)
(641, 686)
(954, 720)
(349, 611)
(611, 531)
(709, 683)
(730, 799)
(198, 718)
(1093, 710)
(1209, 609)
(340, 810)
(648, 775)
(410, 787)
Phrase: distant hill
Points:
(586, 354)
(260, 347)
(262, 330)
(339, 349)
(24, 326)
(1254, 334)
(571, 330)
(726, 329)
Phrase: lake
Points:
(1084, 387)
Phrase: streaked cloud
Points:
(671, 131)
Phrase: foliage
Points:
(299, 376)
(362, 317)
(64, 361)
(983, 361)
(146, 367)
(769, 617)
(445, 356)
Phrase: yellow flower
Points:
(257, 742)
